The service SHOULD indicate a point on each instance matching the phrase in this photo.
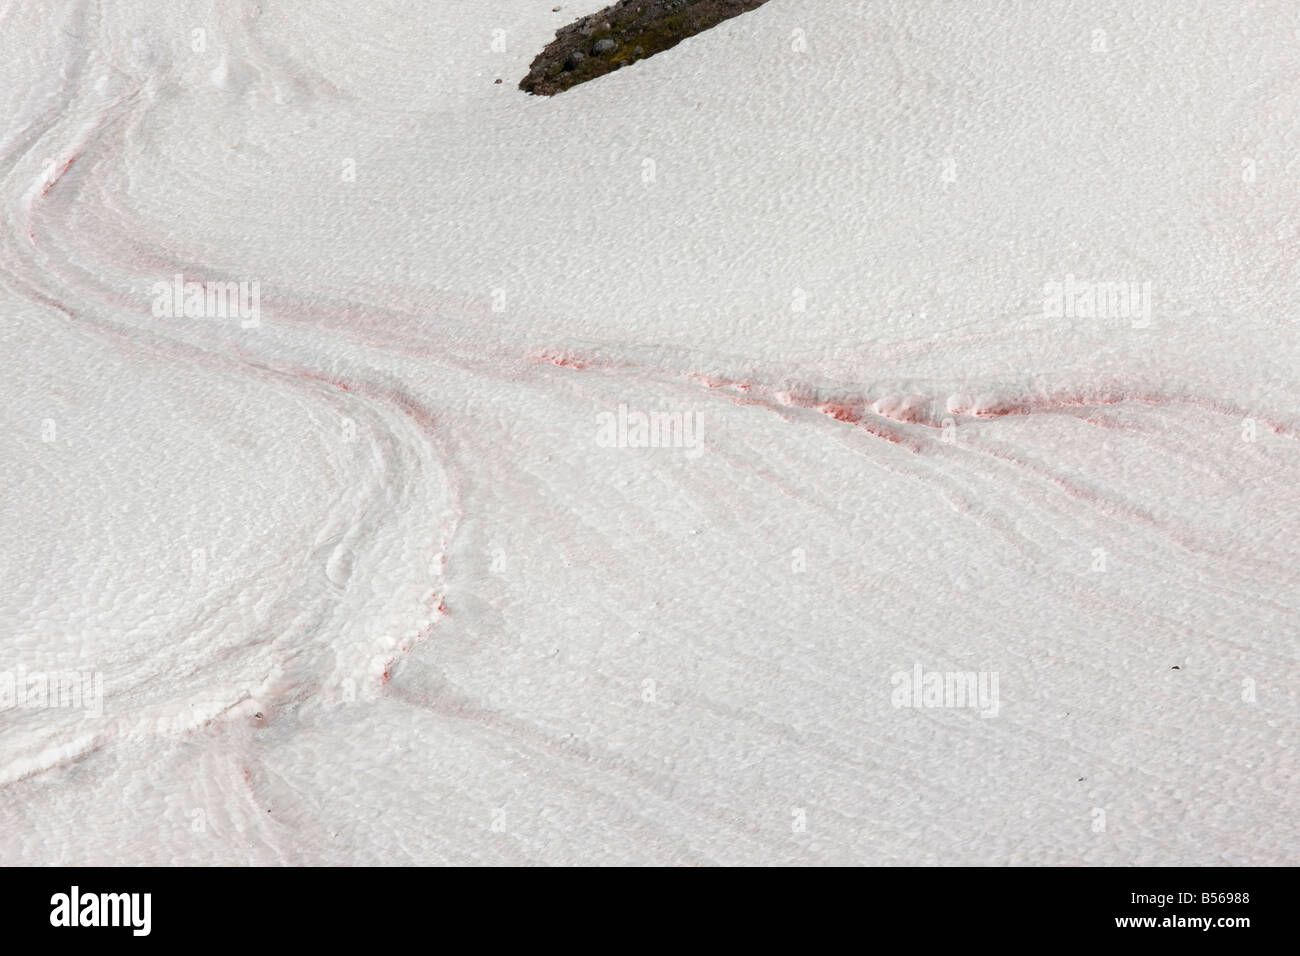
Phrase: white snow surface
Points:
(364, 586)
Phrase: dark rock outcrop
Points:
(628, 31)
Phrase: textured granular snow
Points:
(383, 574)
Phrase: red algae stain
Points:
(563, 360)
(57, 176)
(915, 409)
(841, 412)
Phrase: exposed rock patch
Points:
(623, 33)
